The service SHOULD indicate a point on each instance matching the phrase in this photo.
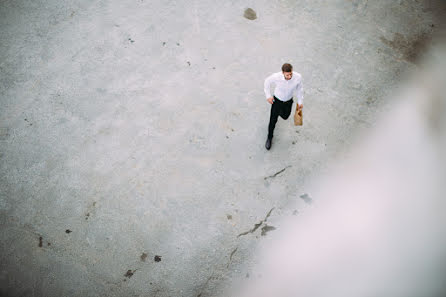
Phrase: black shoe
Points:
(268, 144)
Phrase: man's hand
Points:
(300, 106)
(270, 100)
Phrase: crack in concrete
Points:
(256, 226)
(232, 254)
(277, 173)
(269, 213)
(205, 284)
(230, 257)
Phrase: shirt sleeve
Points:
(300, 93)
(267, 85)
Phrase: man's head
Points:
(287, 70)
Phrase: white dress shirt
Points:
(285, 89)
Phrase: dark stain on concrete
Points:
(164, 43)
(68, 231)
(131, 40)
(40, 241)
(4, 133)
(250, 14)
(89, 210)
(305, 197)
(157, 258)
(277, 173)
(295, 212)
(247, 275)
(129, 273)
(370, 101)
(188, 63)
(229, 217)
(256, 226)
(266, 229)
(143, 257)
(411, 48)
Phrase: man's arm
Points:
(267, 88)
(300, 94)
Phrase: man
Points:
(287, 83)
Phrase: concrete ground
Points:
(132, 159)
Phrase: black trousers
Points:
(278, 108)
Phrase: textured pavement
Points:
(132, 159)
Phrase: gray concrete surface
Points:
(130, 130)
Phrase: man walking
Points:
(287, 83)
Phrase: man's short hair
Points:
(287, 67)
